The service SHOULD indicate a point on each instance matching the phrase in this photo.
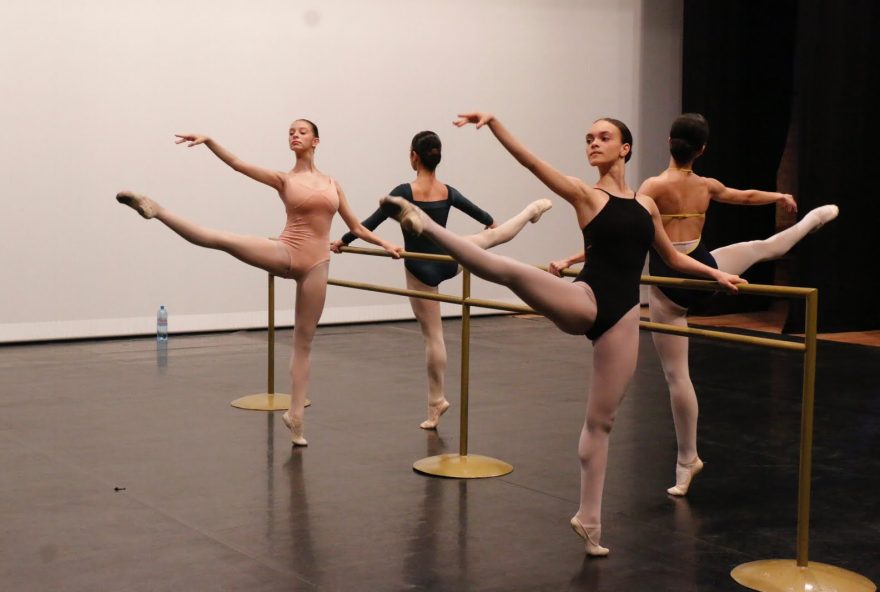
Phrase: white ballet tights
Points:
(614, 361)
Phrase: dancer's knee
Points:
(600, 424)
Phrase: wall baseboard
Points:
(146, 326)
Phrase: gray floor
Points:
(125, 468)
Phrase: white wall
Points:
(94, 90)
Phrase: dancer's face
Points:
(301, 137)
(605, 144)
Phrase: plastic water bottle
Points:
(162, 324)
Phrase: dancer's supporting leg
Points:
(673, 352)
(570, 306)
(504, 232)
(428, 315)
(614, 361)
(739, 257)
(311, 291)
(253, 250)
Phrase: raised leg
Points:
(504, 232)
(431, 324)
(739, 257)
(253, 250)
(570, 306)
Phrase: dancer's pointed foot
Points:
(297, 429)
(539, 206)
(435, 410)
(144, 206)
(591, 535)
(823, 215)
(409, 216)
(684, 474)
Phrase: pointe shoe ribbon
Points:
(409, 216)
(142, 204)
(684, 474)
(296, 430)
(591, 535)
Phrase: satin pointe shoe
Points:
(825, 214)
(297, 428)
(684, 474)
(591, 535)
(434, 413)
(142, 204)
(541, 206)
(409, 216)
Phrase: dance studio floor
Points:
(125, 468)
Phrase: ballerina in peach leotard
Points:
(304, 239)
(301, 253)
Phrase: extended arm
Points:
(568, 188)
(274, 179)
(749, 197)
(359, 230)
(457, 200)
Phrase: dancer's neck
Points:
(686, 168)
(613, 180)
(305, 164)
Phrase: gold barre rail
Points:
(764, 575)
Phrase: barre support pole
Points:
(463, 465)
(799, 575)
(270, 400)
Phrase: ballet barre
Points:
(770, 574)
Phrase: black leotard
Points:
(684, 298)
(615, 244)
(430, 273)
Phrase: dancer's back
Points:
(682, 198)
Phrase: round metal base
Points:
(265, 402)
(471, 466)
(784, 575)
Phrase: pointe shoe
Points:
(825, 214)
(684, 474)
(541, 206)
(434, 413)
(297, 438)
(144, 206)
(591, 535)
(409, 216)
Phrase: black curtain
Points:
(837, 84)
(737, 67)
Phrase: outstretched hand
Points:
(336, 246)
(728, 281)
(193, 139)
(477, 118)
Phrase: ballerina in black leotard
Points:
(436, 199)
(618, 227)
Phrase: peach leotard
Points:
(306, 236)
